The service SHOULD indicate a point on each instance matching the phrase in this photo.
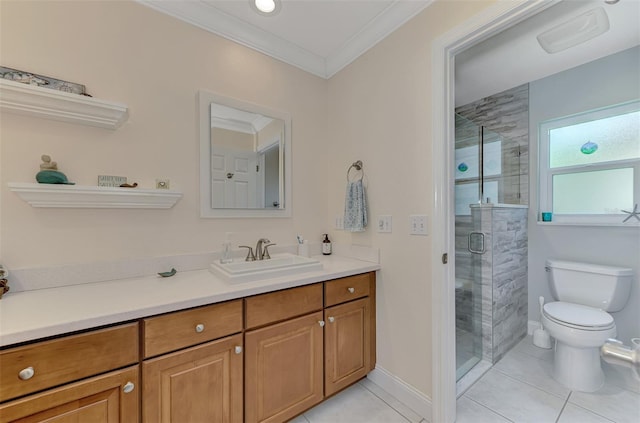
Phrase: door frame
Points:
(491, 21)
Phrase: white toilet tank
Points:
(594, 285)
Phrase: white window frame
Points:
(545, 178)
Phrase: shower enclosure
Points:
(490, 244)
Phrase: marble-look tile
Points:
(354, 405)
(515, 400)
(391, 401)
(621, 376)
(469, 411)
(574, 414)
(300, 419)
(533, 371)
(612, 402)
(526, 347)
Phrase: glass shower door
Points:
(468, 190)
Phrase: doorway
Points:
(494, 20)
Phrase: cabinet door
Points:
(283, 365)
(347, 344)
(109, 398)
(198, 384)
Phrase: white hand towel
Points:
(355, 207)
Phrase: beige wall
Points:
(125, 52)
(235, 140)
(380, 113)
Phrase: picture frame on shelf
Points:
(42, 81)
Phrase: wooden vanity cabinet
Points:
(201, 380)
(349, 338)
(55, 380)
(264, 358)
(283, 359)
(347, 344)
(198, 384)
(110, 398)
(305, 344)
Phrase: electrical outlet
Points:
(339, 221)
(163, 184)
(384, 224)
(418, 224)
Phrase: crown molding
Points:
(220, 23)
(225, 25)
(392, 18)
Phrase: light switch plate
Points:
(418, 224)
(384, 224)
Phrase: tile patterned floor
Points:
(517, 389)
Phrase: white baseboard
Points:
(402, 391)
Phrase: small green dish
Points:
(168, 274)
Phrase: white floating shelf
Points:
(78, 196)
(16, 97)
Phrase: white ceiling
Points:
(318, 36)
(514, 57)
(324, 36)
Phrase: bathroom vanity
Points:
(264, 351)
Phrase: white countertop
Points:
(31, 315)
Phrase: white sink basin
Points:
(278, 265)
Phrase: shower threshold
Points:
(471, 377)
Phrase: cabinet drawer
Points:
(182, 329)
(63, 360)
(110, 397)
(275, 306)
(346, 289)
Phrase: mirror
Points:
(245, 159)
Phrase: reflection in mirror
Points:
(243, 153)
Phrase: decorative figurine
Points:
(49, 173)
(4, 282)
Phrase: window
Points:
(590, 165)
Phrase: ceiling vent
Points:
(575, 31)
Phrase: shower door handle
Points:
(475, 243)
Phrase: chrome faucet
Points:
(260, 250)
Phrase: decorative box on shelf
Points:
(78, 196)
(16, 97)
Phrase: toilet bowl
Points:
(579, 332)
(579, 321)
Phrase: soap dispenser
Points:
(326, 245)
(225, 256)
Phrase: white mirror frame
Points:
(205, 98)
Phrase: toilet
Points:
(579, 320)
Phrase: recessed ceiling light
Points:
(266, 7)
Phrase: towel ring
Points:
(357, 165)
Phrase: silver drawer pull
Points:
(128, 387)
(238, 349)
(351, 290)
(331, 319)
(200, 328)
(26, 374)
(321, 323)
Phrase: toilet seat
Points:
(578, 316)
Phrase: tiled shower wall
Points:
(501, 309)
(506, 114)
(502, 276)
